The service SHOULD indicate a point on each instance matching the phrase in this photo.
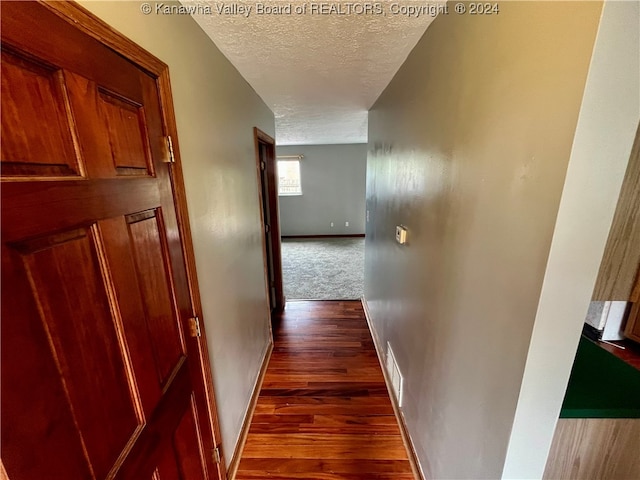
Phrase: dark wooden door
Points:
(103, 368)
(268, 192)
(267, 222)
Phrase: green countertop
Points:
(601, 385)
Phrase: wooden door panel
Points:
(154, 278)
(168, 469)
(22, 28)
(93, 131)
(185, 440)
(179, 463)
(112, 128)
(33, 388)
(102, 380)
(37, 131)
(165, 178)
(155, 439)
(119, 254)
(36, 207)
(69, 284)
(127, 131)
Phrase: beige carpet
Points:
(323, 269)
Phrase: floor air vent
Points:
(394, 374)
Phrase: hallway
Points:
(483, 153)
(324, 411)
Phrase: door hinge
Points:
(171, 158)
(194, 327)
(262, 165)
(216, 455)
(267, 228)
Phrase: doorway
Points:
(322, 206)
(268, 192)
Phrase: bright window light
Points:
(289, 177)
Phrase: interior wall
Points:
(604, 137)
(468, 148)
(333, 190)
(216, 111)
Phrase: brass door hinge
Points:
(216, 455)
(194, 327)
(171, 156)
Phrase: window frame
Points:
(297, 193)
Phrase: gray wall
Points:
(333, 190)
(468, 148)
(216, 111)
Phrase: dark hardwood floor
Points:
(324, 411)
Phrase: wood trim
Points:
(96, 28)
(635, 293)
(406, 438)
(257, 133)
(246, 424)
(180, 199)
(274, 233)
(632, 328)
(349, 235)
(88, 23)
(266, 138)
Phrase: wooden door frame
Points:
(634, 314)
(272, 198)
(96, 28)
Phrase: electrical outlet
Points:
(331, 224)
(346, 224)
(367, 215)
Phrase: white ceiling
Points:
(319, 73)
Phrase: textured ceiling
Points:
(318, 72)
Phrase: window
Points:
(289, 177)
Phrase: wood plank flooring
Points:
(324, 412)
